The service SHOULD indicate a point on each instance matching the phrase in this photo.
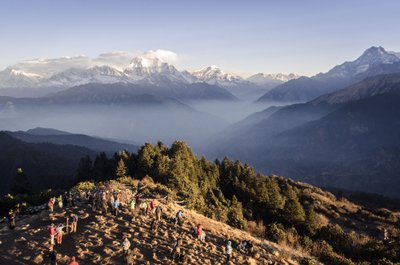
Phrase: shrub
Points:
(276, 233)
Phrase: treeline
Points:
(231, 192)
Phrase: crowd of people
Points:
(105, 201)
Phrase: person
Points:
(60, 202)
(228, 251)
(60, 233)
(52, 256)
(52, 233)
(11, 219)
(176, 251)
(116, 205)
(385, 234)
(73, 261)
(50, 204)
(132, 206)
(74, 222)
(203, 236)
(104, 206)
(159, 211)
(129, 257)
(143, 208)
(199, 231)
(126, 245)
(179, 218)
(250, 247)
(152, 207)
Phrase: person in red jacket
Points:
(73, 262)
(52, 232)
(199, 231)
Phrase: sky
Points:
(243, 37)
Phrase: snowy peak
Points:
(370, 58)
(263, 79)
(154, 70)
(215, 76)
(375, 55)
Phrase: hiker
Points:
(60, 202)
(126, 245)
(52, 256)
(176, 251)
(385, 234)
(137, 200)
(199, 231)
(60, 233)
(152, 207)
(246, 246)
(74, 222)
(11, 219)
(52, 233)
(228, 251)
(250, 247)
(129, 257)
(116, 205)
(179, 218)
(159, 211)
(104, 206)
(50, 205)
(93, 200)
(132, 205)
(71, 199)
(143, 208)
(203, 236)
(73, 261)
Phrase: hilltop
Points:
(227, 197)
(100, 236)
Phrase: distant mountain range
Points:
(49, 157)
(22, 79)
(347, 139)
(45, 135)
(374, 61)
(46, 165)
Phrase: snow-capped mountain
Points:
(263, 79)
(97, 74)
(370, 58)
(12, 77)
(215, 76)
(372, 62)
(151, 70)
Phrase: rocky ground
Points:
(99, 239)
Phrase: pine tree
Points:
(293, 212)
(85, 169)
(121, 168)
(235, 214)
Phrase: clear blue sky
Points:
(304, 37)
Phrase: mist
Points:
(128, 124)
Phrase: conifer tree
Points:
(121, 170)
(293, 212)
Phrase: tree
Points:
(121, 168)
(235, 214)
(292, 213)
(85, 169)
(21, 183)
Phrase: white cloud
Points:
(118, 59)
(163, 55)
(46, 67)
